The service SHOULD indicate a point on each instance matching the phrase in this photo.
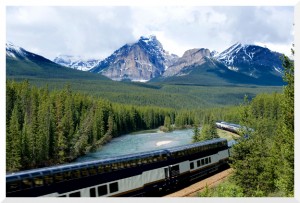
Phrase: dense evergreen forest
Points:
(48, 126)
(45, 127)
(263, 162)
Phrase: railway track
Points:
(192, 190)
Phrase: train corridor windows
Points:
(58, 177)
(209, 159)
(75, 194)
(202, 162)
(102, 190)
(48, 180)
(26, 183)
(92, 171)
(38, 181)
(67, 175)
(100, 169)
(76, 174)
(192, 165)
(13, 186)
(84, 172)
(107, 168)
(113, 187)
(198, 163)
(92, 192)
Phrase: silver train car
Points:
(140, 174)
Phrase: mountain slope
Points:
(21, 63)
(251, 60)
(76, 62)
(239, 64)
(140, 61)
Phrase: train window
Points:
(113, 187)
(26, 183)
(58, 177)
(62, 196)
(13, 186)
(76, 174)
(202, 162)
(139, 162)
(75, 194)
(67, 175)
(209, 159)
(38, 181)
(92, 192)
(127, 164)
(198, 163)
(144, 161)
(133, 164)
(206, 160)
(100, 169)
(48, 179)
(192, 165)
(92, 171)
(121, 165)
(114, 167)
(84, 172)
(107, 168)
(102, 190)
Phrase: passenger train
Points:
(235, 128)
(137, 174)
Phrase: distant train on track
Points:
(235, 128)
(127, 175)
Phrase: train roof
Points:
(120, 158)
(197, 144)
(79, 165)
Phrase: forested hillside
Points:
(263, 161)
(46, 128)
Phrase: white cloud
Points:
(98, 31)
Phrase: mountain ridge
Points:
(146, 60)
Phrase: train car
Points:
(231, 127)
(138, 174)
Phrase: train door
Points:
(167, 174)
(174, 170)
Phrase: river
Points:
(140, 142)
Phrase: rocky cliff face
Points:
(190, 57)
(140, 61)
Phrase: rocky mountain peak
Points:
(190, 57)
(140, 61)
(196, 53)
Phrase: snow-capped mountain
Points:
(251, 60)
(146, 60)
(76, 62)
(17, 52)
(24, 64)
(140, 61)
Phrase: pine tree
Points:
(284, 140)
(13, 138)
(167, 123)
(208, 130)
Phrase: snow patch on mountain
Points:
(14, 51)
(76, 62)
